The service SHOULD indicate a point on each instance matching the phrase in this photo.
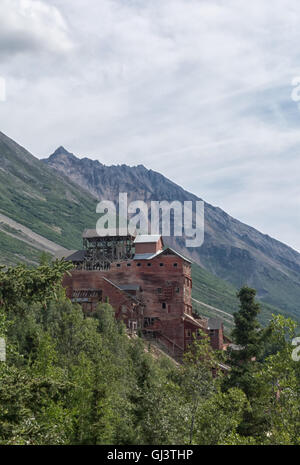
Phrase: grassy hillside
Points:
(276, 288)
(214, 291)
(49, 204)
(13, 251)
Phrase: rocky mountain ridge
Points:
(232, 250)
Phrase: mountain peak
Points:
(62, 151)
(61, 154)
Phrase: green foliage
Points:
(73, 379)
(219, 417)
(21, 284)
(246, 332)
(264, 370)
(197, 380)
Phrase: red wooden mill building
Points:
(149, 286)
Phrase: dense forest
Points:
(73, 379)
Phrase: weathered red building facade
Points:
(149, 287)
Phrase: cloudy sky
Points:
(200, 90)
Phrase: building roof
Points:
(193, 320)
(63, 253)
(120, 289)
(146, 256)
(179, 254)
(77, 256)
(87, 233)
(150, 256)
(147, 238)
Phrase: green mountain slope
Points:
(48, 204)
(51, 205)
(220, 294)
(13, 251)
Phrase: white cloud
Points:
(31, 25)
(197, 89)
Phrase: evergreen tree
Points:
(248, 343)
(248, 337)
